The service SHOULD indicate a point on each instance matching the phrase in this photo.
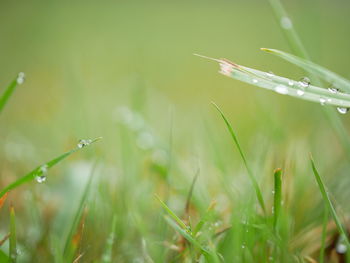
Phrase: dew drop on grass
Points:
(341, 248)
(41, 174)
(226, 69)
(322, 101)
(290, 82)
(83, 143)
(281, 89)
(273, 192)
(286, 23)
(270, 74)
(304, 82)
(342, 110)
(254, 80)
(333, 90)
(20, 78)
(300, 92)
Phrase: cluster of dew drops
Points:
(41, 173)
(304, 83)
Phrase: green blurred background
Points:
(85, 61)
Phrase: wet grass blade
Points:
(39, 170)
(329, 204)
(277, 200)
(172, 214)
(204, 218)
(321, 72)
(107, 255)
(13, 238)
(282, 85)
(250, 173)
(9, 91)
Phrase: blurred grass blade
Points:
(13, 238)
(70, 245)
(186, 235)
(321, 72)
(10, 89)
(40, 170)
(107, 255)
(324, 234)
(250, 173)
(172, 214)
(3, 257)
(286, 25)
(204, 218)
(3, 240)
(277, 198)
(190, 192)
(3, 198)
(329, 204)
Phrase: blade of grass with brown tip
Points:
(250, 173)
(39, 170)
(2, 199)
(13, 237)
(329, 204)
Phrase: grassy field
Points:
(121, 145)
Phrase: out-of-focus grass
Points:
(125, 71)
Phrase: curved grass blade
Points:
(13, 238)
(277, 200)
(10, 89)
(329, 204)
(250, 173)
(39, 170)
(321, 72)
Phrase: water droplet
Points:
(40, 175)
(341, 248)
(333, 90)
(83, 143)
(20, 78)
(300, 92)
(254, 80)
(322, 101)
(273, 192)
(243, 246)
(281, 89)
(304, 82)
(270, 74)
(290, 82)
(342, 110)
(286, 23)
(270, 258)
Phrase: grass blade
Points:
(250, 173)
(172, 214)
(329, 204)
(277, 200)
(107, 255)
(13, 238)
(282, 85)
(324, 235)
(204, 218)
(309, 66)
(70, 246)
(10, 89)
(40, 170)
